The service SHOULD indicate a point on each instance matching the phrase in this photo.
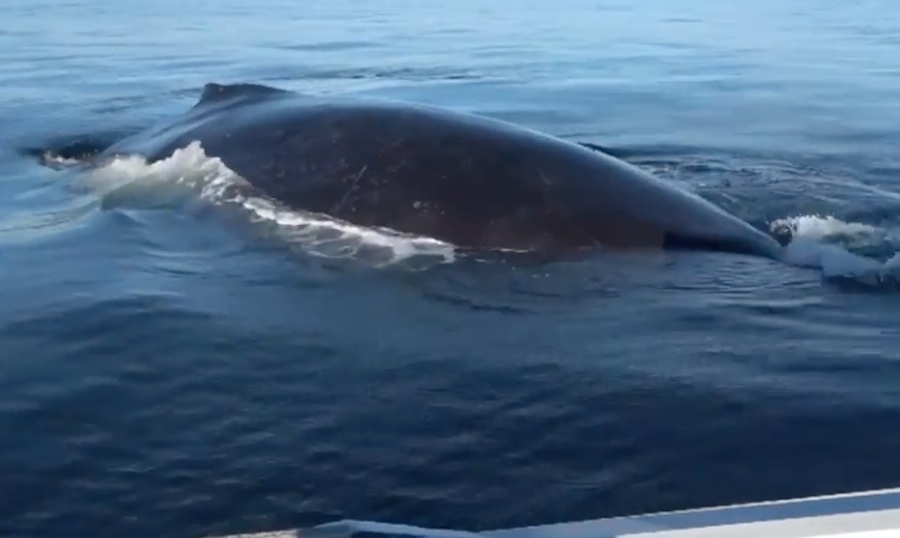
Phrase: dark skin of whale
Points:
(468, 180)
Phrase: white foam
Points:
(813, 245)
(187, 167)
(823, 227)
(131, 180)
(58, 161)
(321, 235)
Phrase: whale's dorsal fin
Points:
(215, 93)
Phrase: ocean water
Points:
(168, 368)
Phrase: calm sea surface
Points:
(169, 369)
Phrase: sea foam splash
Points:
(130, 180)
(816, 243)
(133, 180)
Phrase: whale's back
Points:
(467, 179)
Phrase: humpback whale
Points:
(473, 181)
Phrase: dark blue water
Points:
(171, 369)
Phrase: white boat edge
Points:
(863, 514)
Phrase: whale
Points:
(470, 180)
